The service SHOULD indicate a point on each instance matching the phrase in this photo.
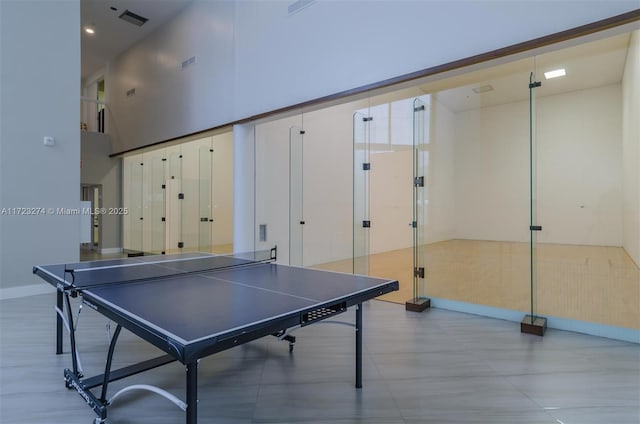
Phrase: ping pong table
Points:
(193, 305)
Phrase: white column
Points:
(244, 188)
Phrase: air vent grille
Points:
(133, 18)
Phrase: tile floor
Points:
(435, 367)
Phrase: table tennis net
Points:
(159, 266)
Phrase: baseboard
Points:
(111, 250)
(590, 328)
(28, 290)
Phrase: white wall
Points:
(40, 80)
(631, 149)
(391, 201)
(440, 219)
(253, 57)
(328, 180)
(272, 184)
(579, 167)
(244, 188)
(328, 183)
(579, 172)
(338, 45)
(492, 173)
(170, 101)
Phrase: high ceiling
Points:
(114, 35)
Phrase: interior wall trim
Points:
(536, 43)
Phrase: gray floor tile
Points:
(436, 367)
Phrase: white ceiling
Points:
(588, 65)
(113, 35)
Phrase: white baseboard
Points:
(28, 290)
(111, 250)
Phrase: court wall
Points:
(153, 183)
(631, 149)
(328, 183)
(578, 165)
(478, 178)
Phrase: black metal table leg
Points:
(107, 368)
(59, 304)
(192, 392)
(72, 336)
(359, 345)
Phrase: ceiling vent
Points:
(133, 18)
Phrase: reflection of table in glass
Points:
(194, 305)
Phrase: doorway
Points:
(91, 198)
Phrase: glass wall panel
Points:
(361, 175)
(205, 192)
(190, 190)
(534, 226)
(173, 205)
(421, 181)
(222, 202)
(171, 198)
(296, 196)
(156, 222)
(136, 188)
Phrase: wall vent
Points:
(263, 232)
(297, 6)
(133, 18)
(188, 62)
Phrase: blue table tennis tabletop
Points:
(193, 305)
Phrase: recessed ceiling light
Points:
(555, 74)
(89, 30)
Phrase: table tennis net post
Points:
(161, 267)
